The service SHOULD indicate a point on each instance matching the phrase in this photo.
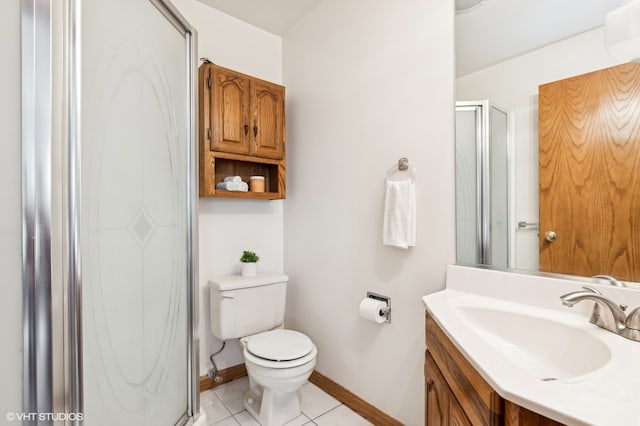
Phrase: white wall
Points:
(229, 226)
(513, 85)
(368, 82)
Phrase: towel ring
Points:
(401, 171)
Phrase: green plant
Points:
(249, 257)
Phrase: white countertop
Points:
(607, 394)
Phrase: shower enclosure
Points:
(98, 228)
(483, 229)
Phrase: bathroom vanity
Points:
(502, 349)
(456, 394)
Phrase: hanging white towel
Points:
(399, 222)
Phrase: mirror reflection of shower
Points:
(483, 225)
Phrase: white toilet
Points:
(278, 361)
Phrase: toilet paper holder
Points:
(386, 312)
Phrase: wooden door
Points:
(230, 111)
(589, 171)
(268, 119)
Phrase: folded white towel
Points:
(226, 186)
(234, 179)
(233, 186)
(399, 221)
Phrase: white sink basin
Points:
(546, 349)
(537, 353)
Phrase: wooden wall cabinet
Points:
(456, 394)
(241, 131)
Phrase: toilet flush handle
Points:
(228, 295)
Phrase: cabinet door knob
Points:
(430, 385)
(246, 129)
(550, 236)
(255, 130)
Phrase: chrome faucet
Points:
(611, 280)
(606, 313)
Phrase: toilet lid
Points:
(280, 345)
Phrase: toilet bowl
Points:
(278, 363)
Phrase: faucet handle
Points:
(611, 280)
(633, 319)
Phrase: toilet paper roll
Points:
(370, 309)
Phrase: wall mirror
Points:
(506, 49)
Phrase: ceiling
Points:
(492, 32)
(274, 16)
(501, 29)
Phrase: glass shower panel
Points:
(482, 184)
(499, 187)
(467, 209)
(134, 215)
(11, 363)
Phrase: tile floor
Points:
(224, 407)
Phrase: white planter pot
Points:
(249, 269)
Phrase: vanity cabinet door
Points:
(442, 408)
(456, 414)
(437, 395)
(481, 404)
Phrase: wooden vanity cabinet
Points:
(443, 407)
(241, 131)
(456, 394)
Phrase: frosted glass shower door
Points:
(482, 184)
(134, 184)
(468, 208)
(11, 365)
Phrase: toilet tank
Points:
(241, 306)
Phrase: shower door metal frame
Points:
(483, 204)
(36, 119)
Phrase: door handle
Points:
(246, 129)
(550, 236)
(255, 129)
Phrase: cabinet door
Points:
(437, 396)
(230, 111)
(268, 128)
(456, 414)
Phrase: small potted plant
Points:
(249, 260)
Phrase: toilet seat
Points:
(279, 349)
